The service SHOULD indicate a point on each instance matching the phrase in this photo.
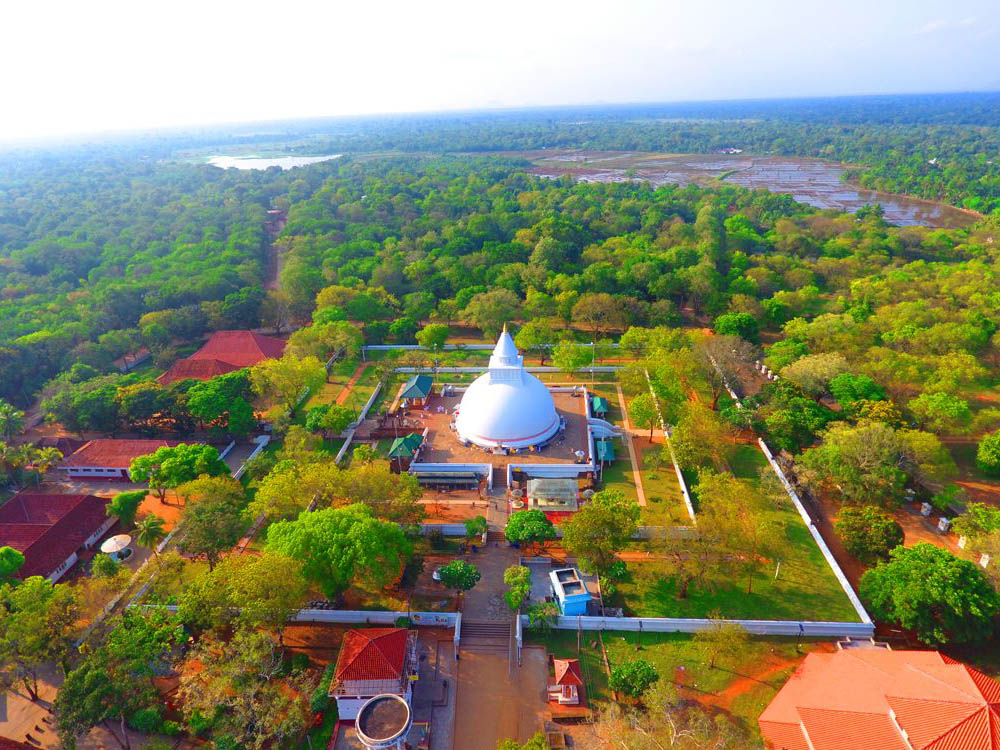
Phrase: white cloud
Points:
(944, 24)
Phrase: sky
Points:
(105, 65)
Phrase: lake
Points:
(811, 181)
(257, 162)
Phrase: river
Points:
(811, 181)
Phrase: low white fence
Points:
(364, 617)
(673, 458)
(349, 437)
(262, 442)
(483, 368)
(802, 628)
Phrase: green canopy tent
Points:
(405, 447)
(605, 452)
(599, 406)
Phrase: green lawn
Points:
(746, 461)
(664, 499)
(619, 476)
(805, 589)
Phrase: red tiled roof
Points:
(846, 701)
(47, 529)
(114, 454)
(372, 654)
(9, 744)
(195, 369)
(568, 672)
(225, 351)
(240, 348)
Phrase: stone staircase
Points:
(485, 635)
(495, 536)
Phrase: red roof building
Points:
(107, 458)
(569, 679)
(224, 352)
(874, 699)
(373, 661)
(51, 530)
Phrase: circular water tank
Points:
(383, 722)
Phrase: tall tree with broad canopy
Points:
(570, 356)
(490, 311)
(600, 529)
(172, 466)
(114, 681)
(283, 382)
(11, 561)
(537, 337)
(720, 358)
(213, 520)
(927, 589)
(245, 677)
(459, 575)
(337, 546)
(38, 625)
(633, 677)
(988, 455)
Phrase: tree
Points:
(600, 529)
(489, 311)
(43, 459)
(433, 337)
(529, 527)
(149, 532)
(212, 524)
(518, 580)
(726, 640)
(329, 419)
(11, 561)
(813, 373)
(739, 324)
(988, 455)
(941, 412)
(570, 356)
(536, 337)
(749, 534)
(643, 412)
(284, 382)
(719, 358)
(978, 521)
(114, 681)
(475, 527)
(633, 677)
(172, 466)
(38, 624)
(243, 685)
(223, 403)
(927, 589)
(11, 420)
(105, 566)
(339, 545)
(543, 615)
(699, 438)
(459, 575)
(868, 532)
(124, 506)
(251, 590)
(600, 312)
(847, 388)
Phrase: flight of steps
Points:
(495, 536)
(485, 635)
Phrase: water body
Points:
(811, 181)
(256, 162)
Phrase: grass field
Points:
(740, 686)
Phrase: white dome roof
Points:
(506, 405)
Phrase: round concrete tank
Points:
(383, 722)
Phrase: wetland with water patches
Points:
(811, 181)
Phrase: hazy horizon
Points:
(119, 67)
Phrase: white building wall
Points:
(95, 537)
(63, 569)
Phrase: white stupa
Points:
(507, 406)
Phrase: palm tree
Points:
(11, 420)
(149, 532)
(44, 459)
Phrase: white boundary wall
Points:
(803, 628)
(673, 458)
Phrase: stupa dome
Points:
(507, 406)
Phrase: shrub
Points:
(320, 699)
(300, 662)
(171, 728)
(146, 720)
(199, 724)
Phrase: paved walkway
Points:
(640, 493)
(342, 396)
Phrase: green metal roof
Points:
(599, 403)
(419, 386)
(406, 446)
(605, 450)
